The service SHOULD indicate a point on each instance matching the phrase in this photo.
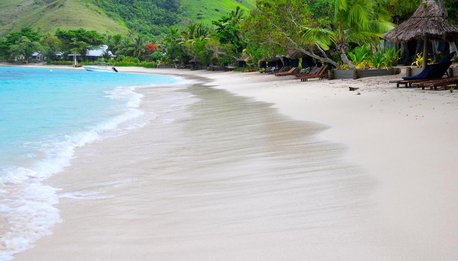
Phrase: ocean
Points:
(44, 115)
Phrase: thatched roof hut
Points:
(428, 22)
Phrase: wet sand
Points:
(223, 177)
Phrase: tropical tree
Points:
(138, 46)
(227, 29)
(51, 45)
(173, 45)
(277, 26)
(194, 38)
(20, 45)
(116, 43)
(23, 49)
(358, 22)
(80, 40)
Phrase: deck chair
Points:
(313, 70)
(433, 71)
(434, 84)
(271, 70)
(322, 73)
(292, 71)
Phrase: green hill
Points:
(207, 10)
(47, 15)
(111, 16)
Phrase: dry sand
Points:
(232, 179)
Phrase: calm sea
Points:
(44, 115)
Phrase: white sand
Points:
(403, 140)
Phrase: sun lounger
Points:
(271, 70)
(434, 84)
(292, 71)
(433, 71)
(322, 73)
(313, 70)
(407, 83)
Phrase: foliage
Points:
(452, 8)
(207, 11)
(80, 40)
(418, 62)
(227, 29)
(361, 57)
(401, 10)
(378, 60)
(174, 49)
(364, 57)
(358, 22)
(275, 27)
(131, 61)
(390, 57)
(19, 46)
(343, 33)
(151, 48)
(147, 17)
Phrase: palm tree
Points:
(138, 46)
(358, 21)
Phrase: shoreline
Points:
(401, 138)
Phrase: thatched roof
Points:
(428, 21)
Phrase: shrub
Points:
(361, 56)
(390, 57)
(418, 62)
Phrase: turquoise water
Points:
(44, 115)
(42, 105)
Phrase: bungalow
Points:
(94, 54)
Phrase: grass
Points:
(205, 11)
(48, 15)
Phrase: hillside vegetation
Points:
(207, 10)
(48, 15)
(147, 17)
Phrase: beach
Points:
(247, 166)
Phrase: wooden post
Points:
(408, 71)
(425, 52)
(355, 74)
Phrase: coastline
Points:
(403, 139)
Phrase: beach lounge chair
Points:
(433, 71)
(292, 71)
(434, 84)
(322, 73)
(271, 70)
(308, 71)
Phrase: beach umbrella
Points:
(429, 22)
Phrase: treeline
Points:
(336, 32)
(23, 46)
(342, 33)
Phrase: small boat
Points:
(100, 68)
